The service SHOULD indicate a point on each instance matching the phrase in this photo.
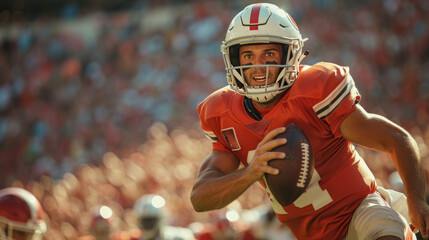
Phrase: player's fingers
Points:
(265, 157)
(270, 170)
(423, 227)
(425, 232)
(259, 165)
(263, 167)
(271, 135)
(424, 222)
(268, 146)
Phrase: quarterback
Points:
(268, 89)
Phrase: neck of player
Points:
(269, 104)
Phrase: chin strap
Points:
(303, 56)
(251, 110)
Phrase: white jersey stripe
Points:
(210, 135)
(324, 108)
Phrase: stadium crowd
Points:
(98, 108)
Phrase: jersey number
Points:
(314, 195)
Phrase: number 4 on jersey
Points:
(314, 195)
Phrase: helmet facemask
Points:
(150, 214)
(9, 229)
(288, 71)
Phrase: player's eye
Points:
(247, 56)
(270, 54)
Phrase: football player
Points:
(21, 215)
(268, 89)
(100, 227)
(150, 213)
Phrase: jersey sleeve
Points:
(210, 111)
(338, 95)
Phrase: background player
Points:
(262, 53)
(21, 216)
(100, 227)
(151, 216)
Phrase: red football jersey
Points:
(319, 100)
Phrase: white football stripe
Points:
(210, 135)
(333, 100)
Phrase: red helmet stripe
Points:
(254, 15)
(293, 21)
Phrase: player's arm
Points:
(378, 133)
(219, 181)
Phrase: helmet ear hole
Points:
(234, 55)
(285, 57)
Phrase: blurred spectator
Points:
(91, 81)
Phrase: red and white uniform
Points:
(321, 97)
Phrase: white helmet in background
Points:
(149, 210)
(101, 223)
(262, 23)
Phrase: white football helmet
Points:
(101, 223)
(262, 23)
(150, 214)
(20, 213)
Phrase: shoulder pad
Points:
(215, 104)
(327, 84)
(319, 79)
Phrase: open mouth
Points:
(259, 78)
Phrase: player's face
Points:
(260, 54)
(19, 235)
(100, 233)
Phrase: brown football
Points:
(295, 170)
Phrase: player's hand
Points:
(418, 210)
(258, 166)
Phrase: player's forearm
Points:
(407, 159)
(215, 190)
(381, 134)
